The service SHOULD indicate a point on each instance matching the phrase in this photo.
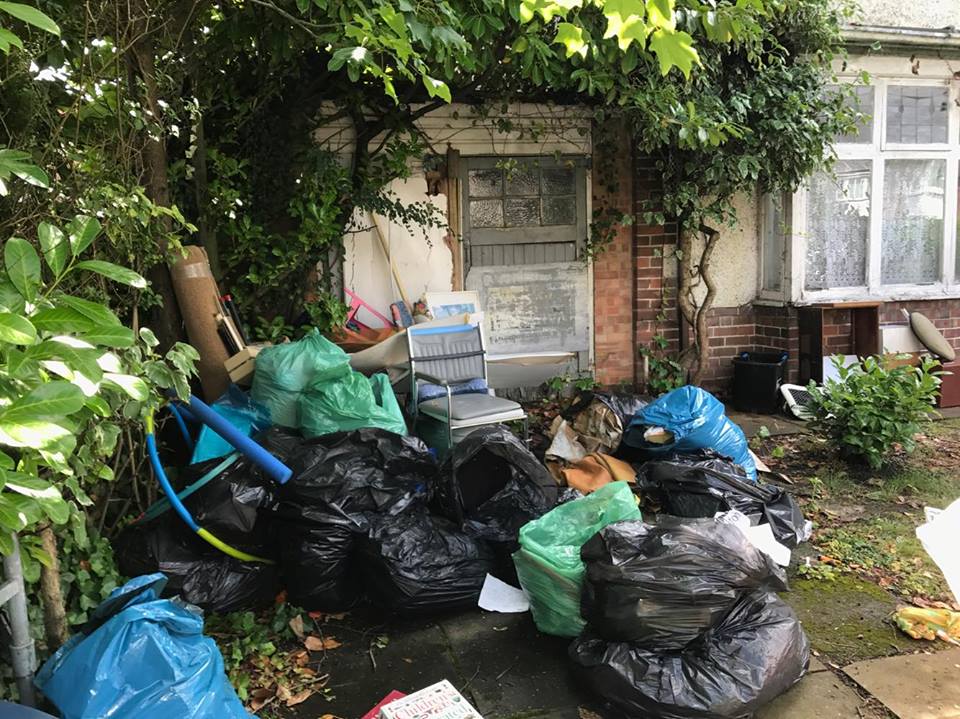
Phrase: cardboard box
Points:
(439, 701)
(240, 366)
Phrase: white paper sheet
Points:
(940, 536)
(497, 596)
(760, 536)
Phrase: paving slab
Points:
(513, 669)
(913, 686)
(819, 695)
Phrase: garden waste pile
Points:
(664, 573)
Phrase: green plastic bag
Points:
(548, 561)
(350, 401)
(284, 371)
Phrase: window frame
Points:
(878, 151)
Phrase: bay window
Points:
(883, 224)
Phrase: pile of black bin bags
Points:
(366, 516)
(683, 621)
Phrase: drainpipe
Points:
(682, 335)
(22, 654)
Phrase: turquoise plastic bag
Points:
(242, 412)
(284, 371)
(697, 420)
(548, 562)
(140, 656)
(350, 402)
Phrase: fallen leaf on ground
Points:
(299, 697)
(296, 626)
(283, 693)
(316, 644)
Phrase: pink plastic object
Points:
(355, 304)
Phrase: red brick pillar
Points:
(613, 281)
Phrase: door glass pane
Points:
(913, 205)
(917, 114)
(486, 183)
(774, 244)
(523, 212)
(559, 210)
(559, 181)
(838, 224)
(864, 132)
(524, 180)
(486, 213)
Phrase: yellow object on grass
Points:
(930, 624)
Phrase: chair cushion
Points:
(469, 406)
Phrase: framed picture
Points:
(451, 304)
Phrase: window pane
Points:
(774, 245)
(865, 127)
(486, 213)
(524, 180)
(558, 181)
(523, 212)
(559, 210)
(485, 183)
(917, 115)
(838, 224)
(913, 204)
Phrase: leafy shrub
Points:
(871, 407)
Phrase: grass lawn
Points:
(864, 558)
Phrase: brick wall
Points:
(613, 333)
(752, 327)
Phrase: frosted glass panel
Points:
(523, 212)
(864, 132)
(558, 182)
(524, 180)
(774, 244)
(913, 205)
(486, 183)
(559, 210)
(917, 115)
(486, 213)
(838, 225)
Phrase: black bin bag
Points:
(338, 481)
(499, 485)
(196, 571)
(755, 654)
(700, 484)
(414, 563)
(662, 586)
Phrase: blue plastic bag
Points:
(140, 656)
(247, 415)
(697, 420)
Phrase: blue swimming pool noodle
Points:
(276, 469)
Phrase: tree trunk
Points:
(166, 322)
(696, 314)
(54, 612)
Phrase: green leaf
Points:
(23, 266)
(571, 37)
(44, 493)
(135, 387)
(148, 337)
(61, 319)
(625, 21)
(110, 336)
(50, 400)
(16, 330)
(31, 16)
(93, 311)
(114, 272)
(82, 231)
(8, 39)
(55, 247)
(674, 48)
(437, 88)
(36, 435)
(20, 164)
(11, 519)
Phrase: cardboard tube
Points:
(198, 295)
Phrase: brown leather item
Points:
(596, 470)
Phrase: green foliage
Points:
(664, 373)
(870, 408)
(71, 373)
